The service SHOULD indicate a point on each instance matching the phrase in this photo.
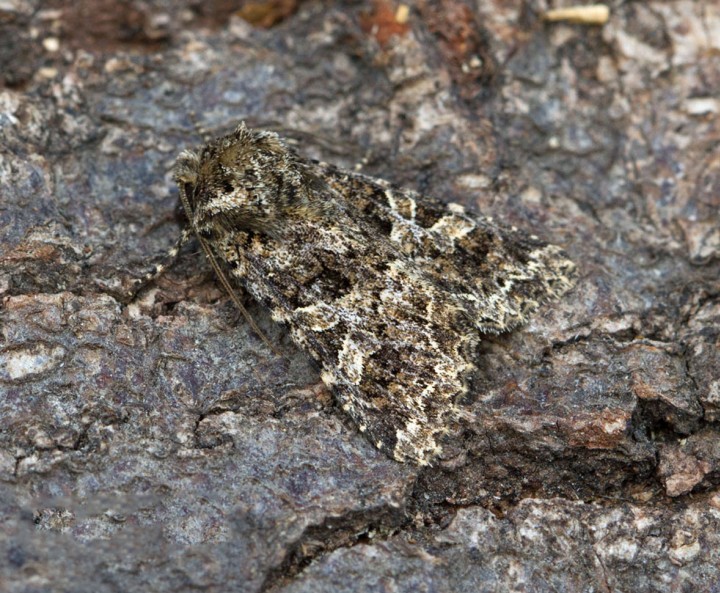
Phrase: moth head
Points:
(248, 180)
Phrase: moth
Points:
(388, 290)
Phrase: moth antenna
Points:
(228, 288)
(220, 273)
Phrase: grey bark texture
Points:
(159, 445)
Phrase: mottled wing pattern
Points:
(501, 274)
(388, 290)
(395, 348)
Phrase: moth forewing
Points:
(387, 289)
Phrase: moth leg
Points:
(165, 262)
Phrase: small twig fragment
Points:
(593, 14)
(402, 13)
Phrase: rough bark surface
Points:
(158, 445)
